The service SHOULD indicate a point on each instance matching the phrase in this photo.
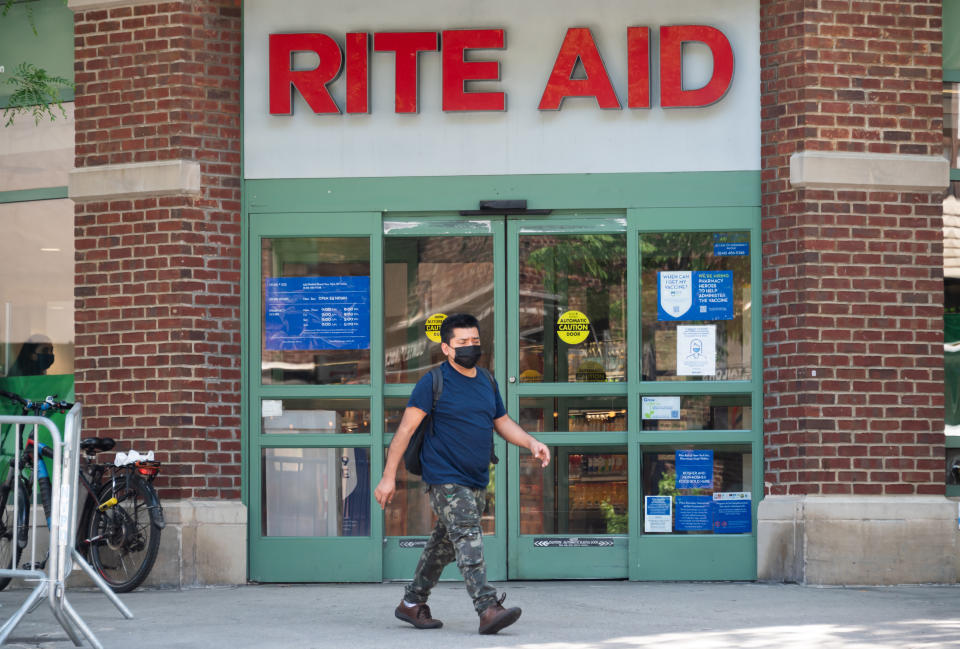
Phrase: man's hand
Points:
(541, 452)
(385, 491)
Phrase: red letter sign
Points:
(456, 70)
(312, 84)
(578, 44)
(672, 94)
(638, 67)
(358, 73)
(406, 45)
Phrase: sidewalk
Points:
(557, 615)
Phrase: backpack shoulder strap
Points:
(493, 383)
(436, 374)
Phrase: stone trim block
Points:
(79, 6)
(839, 170)
(137, 180)
(858, 540)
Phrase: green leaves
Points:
(35, 92)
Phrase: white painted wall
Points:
(580, 138)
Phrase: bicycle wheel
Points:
(123, 543)
(6, 530)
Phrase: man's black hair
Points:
(456, 321)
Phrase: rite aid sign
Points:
(460, 66)
(376, 88)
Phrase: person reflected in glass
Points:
(35, 357)
(455, 460)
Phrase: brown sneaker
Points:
(418, 616)
(496, 617)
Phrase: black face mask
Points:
(467, 356)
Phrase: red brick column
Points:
(157, 193)
(852, 276)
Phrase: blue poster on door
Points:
(692, 514)
(731, 513)
(695, 295)
(731, 244)
(314, 313)
(694, 469)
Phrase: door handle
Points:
(513, 379)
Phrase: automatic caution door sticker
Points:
(573, 327)
(433, 326)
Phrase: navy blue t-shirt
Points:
(458, 452)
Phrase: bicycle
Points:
(120, 523)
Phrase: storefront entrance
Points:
(646, 440)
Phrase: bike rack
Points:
(63, 526)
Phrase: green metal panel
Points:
(312, 559)
(698, 558)
(25, 195)
(49, 47)
(453, 193)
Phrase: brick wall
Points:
(852, 279)
(158, 278)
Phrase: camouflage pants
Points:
(457, 536)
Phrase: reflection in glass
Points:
(316, 358)
(560, 274)
(584, 491)
(410, 513)
(37, 292)
(695, 251)
(698, 412)
(315, 416)
(316, 492)
(732, 475)
(573, 414)
(951, 128)
(423, 276)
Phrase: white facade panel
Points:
(579, 138)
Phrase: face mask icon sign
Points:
(696, 348)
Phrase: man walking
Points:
(455, 461)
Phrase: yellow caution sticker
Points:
(433, 326)
(573, 327)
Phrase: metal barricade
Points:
(51, 581)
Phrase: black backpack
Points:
(411, 456)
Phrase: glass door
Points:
(434, 267)
(567, 325)
(314, 453)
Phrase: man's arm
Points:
(388, 483)
(509, 430)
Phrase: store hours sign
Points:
(316, 313)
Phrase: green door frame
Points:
(400, 562)
(313, 559)
(652, 202)
(526, 561)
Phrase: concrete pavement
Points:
(556, 615)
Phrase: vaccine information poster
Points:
(696, 350)
(316, 313)
(694, 469)
(657, 514)
(695, 295)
